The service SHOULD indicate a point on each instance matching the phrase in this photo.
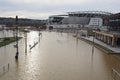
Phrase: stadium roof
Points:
(59, 16)
(90, 12)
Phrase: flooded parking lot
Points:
(57, 56)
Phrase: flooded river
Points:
(57, 56)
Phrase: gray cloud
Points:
(54, 7)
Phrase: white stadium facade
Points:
(89, 19)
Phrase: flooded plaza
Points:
(57, 56)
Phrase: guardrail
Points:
(115, 74)
(33, 45)
(4, 69)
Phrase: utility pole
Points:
(17, 53)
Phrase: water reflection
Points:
(17, 65)
(25, 35)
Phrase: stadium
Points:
(79, 19)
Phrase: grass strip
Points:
(8, 40)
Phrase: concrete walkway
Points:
(115, 50)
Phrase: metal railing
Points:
(115, 74)
(4, 69)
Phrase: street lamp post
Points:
(26, 43)
(93, 42)
(17, 53)
(93, 46)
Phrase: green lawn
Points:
(8, 40)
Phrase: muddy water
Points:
(58, 56)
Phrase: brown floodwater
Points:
(57, 56)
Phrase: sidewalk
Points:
(101, 45)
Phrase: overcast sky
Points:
(42, 9)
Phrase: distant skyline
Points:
(42, 9)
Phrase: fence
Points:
(4, 69)
(115, 74)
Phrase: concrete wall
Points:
(76, 20)
(65, 26)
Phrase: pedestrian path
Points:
(114, 49)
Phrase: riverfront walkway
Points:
(114, 50)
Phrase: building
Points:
(90, 19)
(114, 23)
(55, 21)
(2, 27)
(111, 37)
